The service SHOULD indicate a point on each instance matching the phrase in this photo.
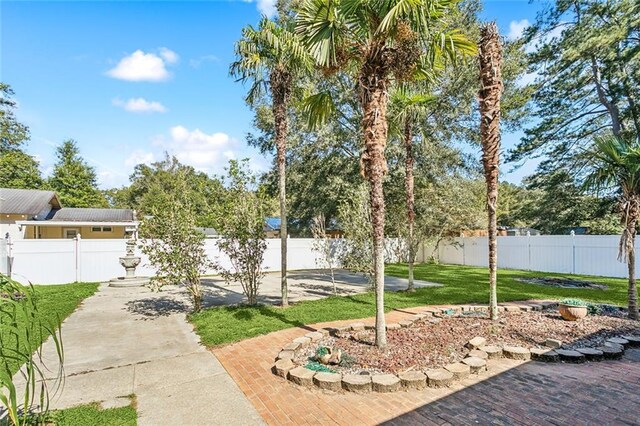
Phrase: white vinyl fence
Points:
(59, 261)
(579, 254)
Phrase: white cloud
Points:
(141, 66)
(267, 7)
(199, 149)
(195, 63)
(139, 105)
(139, 156)
(516, 29)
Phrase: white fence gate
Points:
(579, 254)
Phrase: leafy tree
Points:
(74, 180)
(175, 247)
(242, 230)
(376, 40)
(490, 57)
(13, 135)
(616, 166)
(272, 56)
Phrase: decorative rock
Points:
(282, 367)
(614, 345)
(332, 330)
(536, 307)
(475, 364)
(369, 326)
(385, 383)
(460, 371)
(357, 326)
(356, 383)
(285, 355)
(393, 326)
(314, 336)
(493, 352)
(525, 308)
(591, 354)
(512, 308)
(481, 308)
(634, 340)
(553, 343)
(405, 323)
(301, 376)
(611, 352)
(516, 352)
(439, 378)
(293, 346)
(545, 354)
(304, 341)
(619, 341)
(476, 342)
(413, 380)
(328, 381)
(325, 331)
(478, 354)
(570, 356)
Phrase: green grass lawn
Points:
(56, 302)
(92, 414)
(462, 284)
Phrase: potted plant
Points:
(572, 309)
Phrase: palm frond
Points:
(318, 109)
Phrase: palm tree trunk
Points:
(631, 265)
(373, 98)
(490, 73)
(280, 85)
(408, 185)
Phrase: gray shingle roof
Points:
(92, 215)
(26, 201)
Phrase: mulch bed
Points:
(435, 342)
(563, 282)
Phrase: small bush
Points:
(347, 361)
(316, 366)
(594, 309)
(574, 302)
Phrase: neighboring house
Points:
(272, 227)
(35, 214)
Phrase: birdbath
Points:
(129, 261)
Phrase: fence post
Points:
(573, 252)
(529, 250)
(76, 245)
(464, 255)
(9, 254)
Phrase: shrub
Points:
(574, 302)
(316, 366)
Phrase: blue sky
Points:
(129, 80)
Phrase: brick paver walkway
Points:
(510, 393)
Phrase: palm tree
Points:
(490, 58)
(271, 57)
(616, 165)
(375, 40)
(408, 106)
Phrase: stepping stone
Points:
(511, 308)
(328, 381)
(357, 326)
(493, 352)
(545, 354)
(570, 356)
(439, 378)
(634, 340)
(475, 364)
(460, 371)
(393, 326)
(516, 352)
(304, 341)
(302, 376)
(282, 367)
(611, 352)
(385, 383)
(476, 342)
(314, 336)
(293, 346)
(614, 345)
(413, 380)
(285, 355)
(357, 383)
(478, 354)
(619, 341)
(553, 343)
(591, 354)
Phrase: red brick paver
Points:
(510, 393)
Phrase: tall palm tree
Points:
(408, 106)
(490, 58)
(376, 40)
(615, 163)
(271, 57)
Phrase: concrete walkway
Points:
(132, 341)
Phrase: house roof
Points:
(272, 223)
(26, 201)
(91, 215)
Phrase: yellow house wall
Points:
(85, 232)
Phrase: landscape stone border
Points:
(478, 360)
